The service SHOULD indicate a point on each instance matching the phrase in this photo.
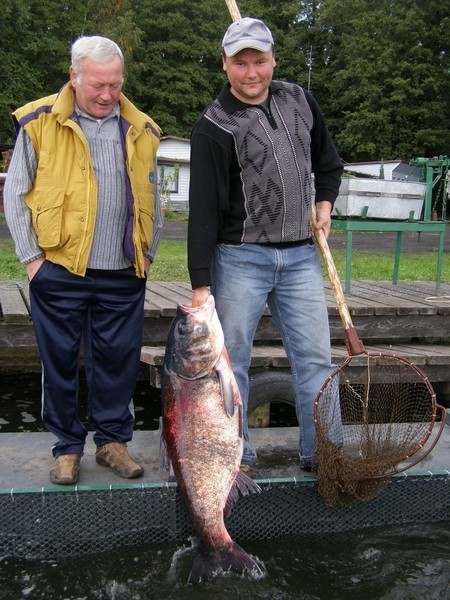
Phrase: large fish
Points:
(202, 433)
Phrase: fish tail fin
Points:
(233, 559)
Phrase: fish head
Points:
(197, 340)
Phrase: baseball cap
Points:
(247, 33)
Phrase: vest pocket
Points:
(47, 209)
(145, 215)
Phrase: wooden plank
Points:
(434, 328)
(181, 295)
(17, 335)
(369, 298)
(153, 355)
(25, 286)
(425, 294)
(275, 356)
(161, 299)
(162, 290)
(417, 291)
(156, 296)
(436, 354)
(434, 361)
(14, 308)
(356, 305)
(411, 353)
(260, 357)
(429, 296)
(391, 299)
(371, 329)
(360, 297)
(151, 311)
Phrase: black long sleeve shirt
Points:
(250, 172)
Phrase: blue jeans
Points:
(247, 276)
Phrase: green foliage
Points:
(379, 266)
(380, 70)
(35, 39)
(386, 81)
(179, 58)
(166, 181)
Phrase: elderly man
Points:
(82, 208)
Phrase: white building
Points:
(173, 162)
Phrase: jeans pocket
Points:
(231, 244)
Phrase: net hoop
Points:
(372, 421)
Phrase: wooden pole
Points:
(234, 10)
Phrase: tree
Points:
(379, 70)
(386, 77)
(35, 39)
(179, 60)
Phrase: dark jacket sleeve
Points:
(208, 195)
(326, 164)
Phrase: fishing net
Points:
(369, 425)
(370, 420)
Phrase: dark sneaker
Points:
(65, 469)
(115, 455)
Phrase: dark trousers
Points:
(104, 310)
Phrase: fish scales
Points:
(202, 432)
(205, 450)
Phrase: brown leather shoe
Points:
(245, 468)
(65, 469)
(115, 455)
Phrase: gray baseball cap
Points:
(247, 33)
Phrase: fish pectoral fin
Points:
(243, 485)
(165, 464)
(226, 389)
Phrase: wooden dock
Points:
(40, 520)
(410, 318)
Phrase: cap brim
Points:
(233, 49)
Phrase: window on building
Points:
(168, 179)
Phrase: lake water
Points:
(396, 563)
(392, 564)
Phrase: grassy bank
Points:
(170, 264)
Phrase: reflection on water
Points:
(404, 563)
(20, 404)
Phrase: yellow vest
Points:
(63, 200)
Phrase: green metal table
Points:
(350, 225)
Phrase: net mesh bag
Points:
(368, 425)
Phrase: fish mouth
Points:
(198, 340)
(208, 307)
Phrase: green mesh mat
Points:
(54, 523)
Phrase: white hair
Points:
(97, 48)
